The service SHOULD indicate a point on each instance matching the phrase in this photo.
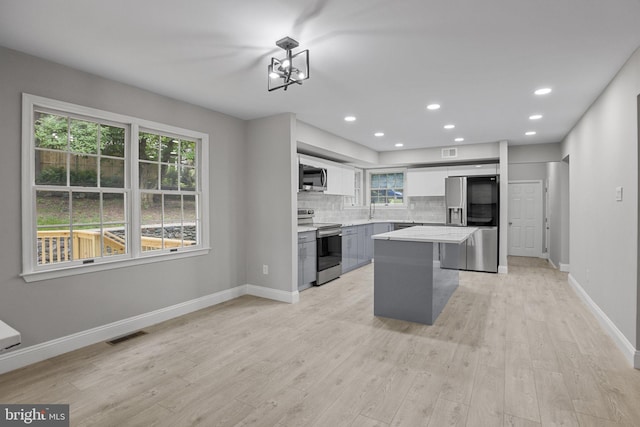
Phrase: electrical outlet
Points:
(265, 269)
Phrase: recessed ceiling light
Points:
(543, 91)
(535, 117)
(459, 139)
(350, 119)
(449, 126)
(531, 132)
(433, 107)
(378, 134)
(399, 144)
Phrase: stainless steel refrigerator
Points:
(474, 202)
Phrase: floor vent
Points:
(126, 337)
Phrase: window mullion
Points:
(134, 184)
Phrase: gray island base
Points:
(408, 283)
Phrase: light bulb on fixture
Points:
(293, 68)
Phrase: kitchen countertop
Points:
(429, 234)
(350, 223)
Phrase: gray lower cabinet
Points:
(382, 227)
(307, 252)
(357, 245)
(349, 248)
(365, 244)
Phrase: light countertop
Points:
(439, 234)
(350, 223)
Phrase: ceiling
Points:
(382, 61)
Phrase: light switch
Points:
(619, 194)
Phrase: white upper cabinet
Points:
(426, 181)
(340, 178)
(348, 181)
(334, 179)
(471, 170)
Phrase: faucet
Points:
(372, 210)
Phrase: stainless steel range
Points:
(328, 244)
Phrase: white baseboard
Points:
(503, 269)
(36, 353)
(623, 344)
(274, 294)
(564, 268)
(552, 264)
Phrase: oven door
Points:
(329, 250)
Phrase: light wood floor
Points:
(508, 350)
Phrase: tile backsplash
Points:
(330, 208)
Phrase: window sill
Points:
(36, 276)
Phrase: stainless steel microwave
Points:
(312, 178)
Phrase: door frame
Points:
(540, 182)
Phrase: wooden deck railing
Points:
(56, 245)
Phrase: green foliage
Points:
(53, 176)
(78, 136)
(58, 176)
(51, 131)
(114, 181)
(84, 178)
(170, 179)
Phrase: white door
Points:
(525, 219)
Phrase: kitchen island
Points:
(408, 283)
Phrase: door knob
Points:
(510, 223)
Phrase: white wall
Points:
(475, 152)
(51, 309)
(271, 201)
(316, 141)
(603, 148)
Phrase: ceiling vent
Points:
(449, 153)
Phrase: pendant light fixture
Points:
(293, 68)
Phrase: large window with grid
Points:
(102, 189)
(168, 191)
(386, 188)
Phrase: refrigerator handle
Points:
(465, 203)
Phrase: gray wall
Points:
(541, 162)
(316, 141)
(528, 172)
(558, 176)
(534, 153)
(50, 309)
(603, 148)
(271, 202)
(474, 152)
